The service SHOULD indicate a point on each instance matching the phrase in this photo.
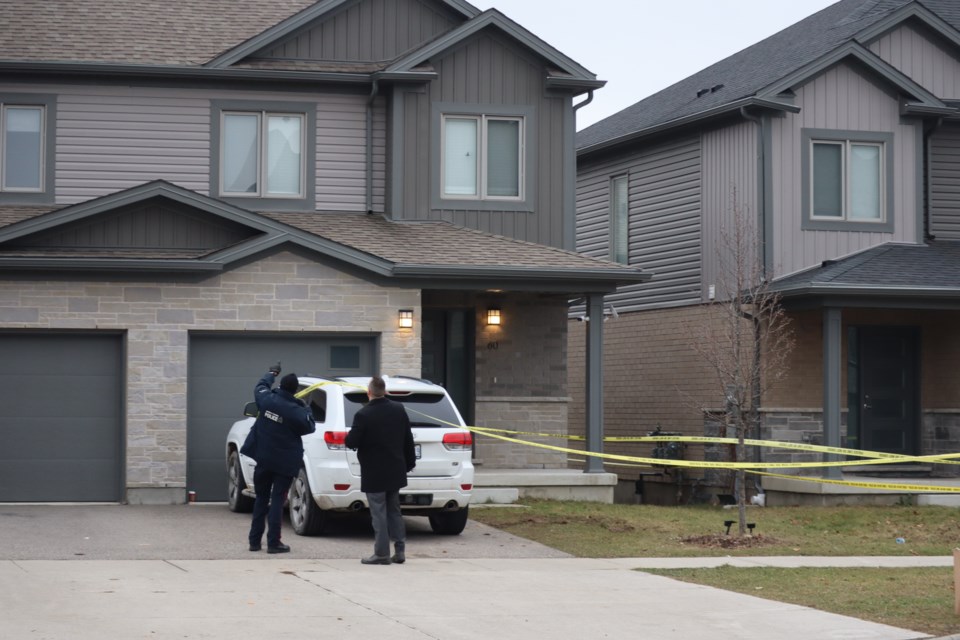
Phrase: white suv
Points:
(329, 480)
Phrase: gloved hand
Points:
(275, 369)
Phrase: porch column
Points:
(594, 379)
(831, 385)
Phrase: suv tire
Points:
(450, 523)
(306, 517)
(237, 502)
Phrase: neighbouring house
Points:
(191, 191)
(839, 137)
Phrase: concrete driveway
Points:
(211, 532)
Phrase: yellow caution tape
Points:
(889, 486)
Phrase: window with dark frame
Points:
(619, 220)
(482, 157)
(262, 154)
(22, 161)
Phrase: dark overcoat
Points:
(275, 439)
(383, 439)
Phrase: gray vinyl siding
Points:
(113, 140)
(945, 183)
(839, 99)
(487, 71)
(925, 58)
(664, 195)
(109, 139)
(730, 183)
(369, 31)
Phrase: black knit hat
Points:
(289, 383)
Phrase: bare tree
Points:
(747, 337)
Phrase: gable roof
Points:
(788, 57)
(424, 254)
(492, 17)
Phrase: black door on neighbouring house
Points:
(888, 389)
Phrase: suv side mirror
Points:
(250, 410)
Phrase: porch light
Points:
(406, 318)
(493, 316)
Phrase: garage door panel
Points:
(62, 422)
(87, 480)
(223, 370)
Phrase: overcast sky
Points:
(642, 46)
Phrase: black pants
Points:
(271, 491)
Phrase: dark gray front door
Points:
(889, 387)
(61, 420)
(447, 343)
(223, 369)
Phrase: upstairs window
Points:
(847, 180)
(619, 220)
(482, 157)
(23, 159)
(262, 154)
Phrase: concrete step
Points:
(552, 484)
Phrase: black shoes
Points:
(280, 548)
(254, 547)
(398, 558)
(376, 560)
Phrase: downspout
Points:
(928, 183)
(375, 87)
(585, 102)
(761, 236)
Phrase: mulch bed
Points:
(732, 541)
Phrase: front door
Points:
(889, 389)
(448, 341)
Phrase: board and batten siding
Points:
(945, 183)
(664, 203)
(921, 57)
(730, 186)
(369, 31)
(487, 70)
(110, 139)
(839, 99)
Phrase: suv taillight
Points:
(335, 440)
(458, 441)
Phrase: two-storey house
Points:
(838, 137)
(191, 191)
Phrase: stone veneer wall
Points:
(533, 414)
(283, 292)
(941, 435)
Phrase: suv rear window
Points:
(423, 409)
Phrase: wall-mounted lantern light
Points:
(406, 318)
(493, 316)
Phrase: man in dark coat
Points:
(383, 439)
(275, 443)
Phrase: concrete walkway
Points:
(508, 599)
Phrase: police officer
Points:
(275, 443)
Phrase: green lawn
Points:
(920, 599)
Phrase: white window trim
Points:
(845, 181)
(262, 123)
(481, 177)
(3, 146)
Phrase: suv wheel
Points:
(237, 502)
(306, 517)
(450, 523)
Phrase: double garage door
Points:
(62, 418)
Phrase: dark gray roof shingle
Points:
(888, 268)
(747, 72)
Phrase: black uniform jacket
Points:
(384, 442)
(276, 435)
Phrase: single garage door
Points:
(61, 419)
(224, 368)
